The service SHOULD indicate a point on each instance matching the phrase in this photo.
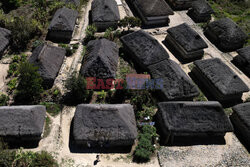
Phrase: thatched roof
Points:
(176, 84)
(151, 8)
(241, 121)
(242, 60)
(144, 49)
(188, 38)
(22, 121)
(226, 34)
(4, 39)
(64, 20)
(221, 76)
(49, 59)
(202, 7)
(105, 11)
(101, 59)
(193, 118)
(104, 125)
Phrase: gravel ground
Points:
(231, 154)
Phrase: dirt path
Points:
(73, 63)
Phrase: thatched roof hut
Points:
(101, 60)
(22, 123)
(219, 79)
(191, 120)
(225, 34)
(49, 60)
(104, 125)
(62, 25)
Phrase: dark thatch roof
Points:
(226, 34)
(176, 84)
(101, 60)
(242, 61)
(221, 76)
(105, 11)
(151, 8)
(193, 118)
(144, 49)
(241, 121)
(104, 125)
(22, 121)
(4, 39)
(49, 59)
(64, 20)
(185, 36)
(202, 7)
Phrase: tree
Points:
(76, 85)
(130, 22)
(30, 84)
(22, 31)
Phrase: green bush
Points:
(70, 50)
(76, 85)
(22, 31)
(52, 108)
(112, 35)
(30, 84)
(4, 99)
(144, 149)
(12, 84)
(20, 158)
(90, 33)
(130, 22)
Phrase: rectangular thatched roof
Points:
(22, 121)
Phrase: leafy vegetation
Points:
(30, 84)
(52, 108)
(76, 85)
(47, 127)
(145, 147)
(112, 35)
(20, 158)
(70, 49)
(3, 100)
(90, 33)
(130, 22)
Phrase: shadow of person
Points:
(95, 162)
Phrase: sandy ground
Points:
(231, 154)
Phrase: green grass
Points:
(52, 108)
(228, 111)
(47, 128)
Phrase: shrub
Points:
(90, 33)
(23, 30)
(30, 84)
(70, 50)
(144, 149)
(16, 61)
(4, 99)
(22, 158)
(52, 108)
(44, 159)
(76, 85)
(112, 35)
(130, 22)
(12, 84)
